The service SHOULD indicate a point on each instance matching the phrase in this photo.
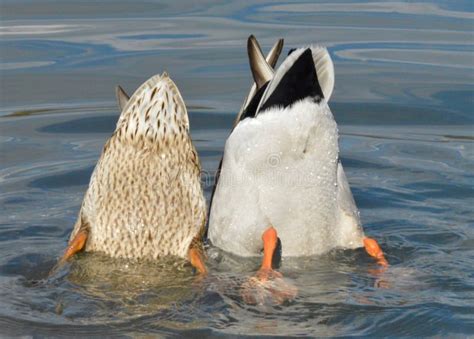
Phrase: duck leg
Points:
(374, 250)
(270, 241)
(75, 245)
(197, 260)
(268, 285)
(196, 256)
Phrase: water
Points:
(404, 103)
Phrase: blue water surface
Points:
(404, 103)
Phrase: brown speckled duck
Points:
(145, 199)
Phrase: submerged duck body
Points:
(145, 198)
(281, 167)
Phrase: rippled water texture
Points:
(404, 103)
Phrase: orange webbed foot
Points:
(374, 250)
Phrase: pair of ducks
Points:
(280, 179)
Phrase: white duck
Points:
(281, 176)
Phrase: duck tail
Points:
(306, 72)
(267, 64)
(121, 96)
(155, 112)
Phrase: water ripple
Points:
(403, 101)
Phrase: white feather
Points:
(280, 169)
(350, 233)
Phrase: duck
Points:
(144, 200)
(281, 184)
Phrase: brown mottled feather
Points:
(145, 198)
